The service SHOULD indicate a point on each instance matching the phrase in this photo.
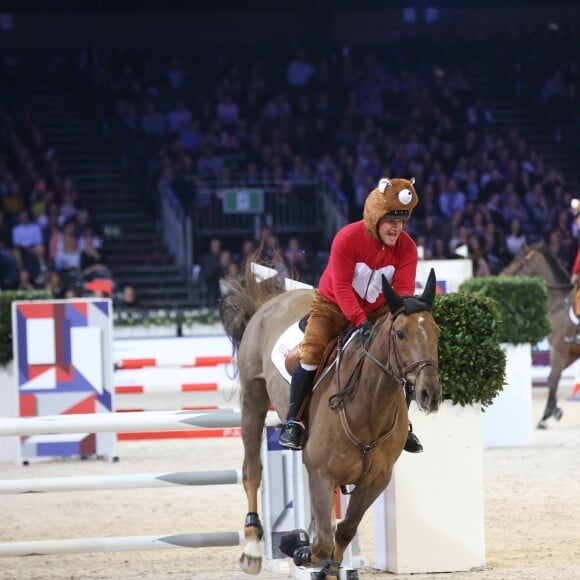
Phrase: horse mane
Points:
(561, 275)
(244, 297)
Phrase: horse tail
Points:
(245, 295)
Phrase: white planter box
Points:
(9, 407)
(431, 517)
(508, 421)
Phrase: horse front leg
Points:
(255, 403)
(322, 501)
(552, 409)
(360, 501)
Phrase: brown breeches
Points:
(325, 323)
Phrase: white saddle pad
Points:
(287, 341)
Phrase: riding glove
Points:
(365, 328)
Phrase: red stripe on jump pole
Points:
(210, 361)
(194, 434)
(129, 389)
(136, 363)
(186, 387)
(195, 408)
(199, 387)
(200, 361)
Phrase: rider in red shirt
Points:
(350, 288)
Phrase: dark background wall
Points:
(66, 25)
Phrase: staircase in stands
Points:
(132, 241)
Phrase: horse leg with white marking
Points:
(255, 403)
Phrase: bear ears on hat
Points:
(384, 183)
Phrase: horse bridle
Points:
(336, 401)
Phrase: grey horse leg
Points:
(255, 403)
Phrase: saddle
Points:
(293, 357)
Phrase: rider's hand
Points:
(365, 328)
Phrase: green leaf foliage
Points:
(6, 299)
(471, 360)
(522, 302)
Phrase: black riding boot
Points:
(293, 432)
(412, 445)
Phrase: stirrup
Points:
(293, 435)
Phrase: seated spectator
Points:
(127, 298)
(26, 234)
(68, 254)
(25, 280)
(54, 284)
(91, 258)
(515, 239)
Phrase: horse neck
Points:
(374, 405)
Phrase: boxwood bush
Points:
(522, 302)
(471, 360)
(6, 299)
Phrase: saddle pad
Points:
(287, 341)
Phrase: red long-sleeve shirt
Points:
(352, 278)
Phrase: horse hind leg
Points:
(255, 403)
(552, 409)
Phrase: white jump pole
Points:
(121, 543)
(125, 481)
(124, 422)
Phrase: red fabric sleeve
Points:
(342, 263)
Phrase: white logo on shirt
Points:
(360, 281)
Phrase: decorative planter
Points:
(431, 517)
(9, 407)
(507, 422)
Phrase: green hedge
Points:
(6, 299)
(522, 302)
(471, 360)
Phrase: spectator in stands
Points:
(54, 284)
(25, 280)
(211, 272)
(515, 239)
(91, 258)
(68, 254)
(300, 71)
(127, 298)
(28, 244)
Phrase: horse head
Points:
(413, 339)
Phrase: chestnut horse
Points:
(538, 260)
(357, 419)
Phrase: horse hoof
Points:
(330, 571)
(250, 564)
(542, 424)
(557, 413)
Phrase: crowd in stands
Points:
(347, 117)
(338, 115)
(48, 239)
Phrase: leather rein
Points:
(337, 401)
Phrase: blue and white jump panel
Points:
(62, 365)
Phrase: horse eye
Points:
(400, 334)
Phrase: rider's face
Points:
(389, 229)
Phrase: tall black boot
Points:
(412, 445)
(294, 432)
